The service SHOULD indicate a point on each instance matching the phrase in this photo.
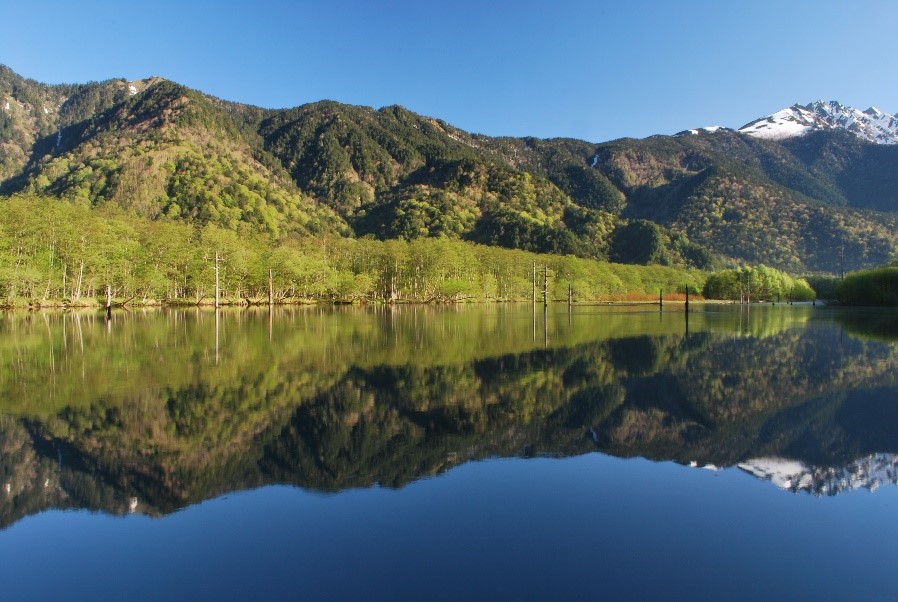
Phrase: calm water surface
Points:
(450, 453)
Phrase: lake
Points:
(453, 452)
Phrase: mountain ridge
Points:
(718, 197)
(871, 124)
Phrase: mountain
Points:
(31, 111)
(869, 472)
(392, 173)
(762, 201)
(871, 125)
(705, 198)
(156, 149)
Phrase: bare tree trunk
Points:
(217, 289)
(80, 275)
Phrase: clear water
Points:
(450, 453)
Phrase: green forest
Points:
(139, 193)
(57, 252)
(870, 287)
(156, 150)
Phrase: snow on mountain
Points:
(869, 472)
(710, 129)
(872, 125)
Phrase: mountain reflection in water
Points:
(159, 409)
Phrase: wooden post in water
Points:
(270, 289)
(570, 295)
(108, 301)
(217, 320)
(660, 299)
(534, 320)
(687, 297)
(545, 285)
(217, 289)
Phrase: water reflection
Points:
(171, 407)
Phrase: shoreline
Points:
(243, 303)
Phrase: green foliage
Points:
(565, 162)
(170, 153)
(870, 287)
(639, 242)
(53, 250)
(755, 200)
(644, 242)
(419, 212)
(394, 173)
(221, 190)
(757, 284)
(862, 174)
(766, 224)
(520, 230)
(152, 154)
(489, 204)
(347, 156)
(824, 286)
(37, 113)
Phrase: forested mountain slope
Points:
(702, 198)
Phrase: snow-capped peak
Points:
(872, 125)
(868, 472)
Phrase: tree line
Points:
(878, 286)
(759, 283)
(59, 252)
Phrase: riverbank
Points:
(678, 301)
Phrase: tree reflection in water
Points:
(172, 407)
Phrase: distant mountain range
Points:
(871, 125)
(805, 189)
(798, 120)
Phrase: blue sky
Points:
(587, 69)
